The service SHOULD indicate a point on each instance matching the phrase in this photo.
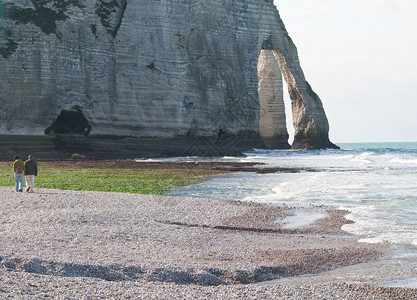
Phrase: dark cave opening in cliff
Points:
(70, 122)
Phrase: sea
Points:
(376, 182)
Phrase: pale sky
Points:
(360, 57)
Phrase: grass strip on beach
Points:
(106, 177)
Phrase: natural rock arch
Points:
(311, 127)
(309, 119)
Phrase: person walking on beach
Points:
(19, 170)
(31, 171)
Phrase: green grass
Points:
(105, 180)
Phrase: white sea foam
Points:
(378, 183)
(401, 160)
(365, 158)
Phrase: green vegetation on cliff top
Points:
(43, 16)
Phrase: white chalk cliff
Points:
(153, 69)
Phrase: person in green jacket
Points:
(19, 170)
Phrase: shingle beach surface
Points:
(87, 245)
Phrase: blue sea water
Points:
(376, 182)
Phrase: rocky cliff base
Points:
(115, 147)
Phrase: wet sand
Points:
(71, 244)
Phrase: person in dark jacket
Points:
(31, 171)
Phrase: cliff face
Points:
(154, 68)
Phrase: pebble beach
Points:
(96, 245)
